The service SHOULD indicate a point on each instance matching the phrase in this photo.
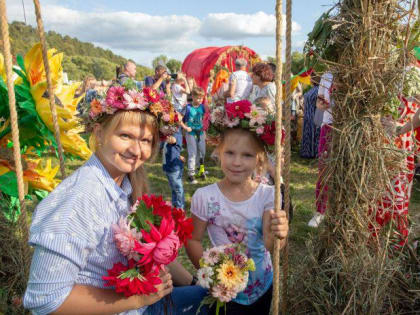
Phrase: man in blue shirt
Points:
(160, 81)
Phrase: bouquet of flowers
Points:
(150, 237)
(224, 271)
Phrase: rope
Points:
(22, 223)
(49, 84)
(277, 199)
(286, 168)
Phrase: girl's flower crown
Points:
(243, 114)
(128, 97)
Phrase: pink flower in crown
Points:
(126, 238)
(135, 100)
(222, 293)
(217, 115)
(260, 130)
(166, 117)
(231, 123)
(115, 97)
(256, 115)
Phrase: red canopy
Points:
(200, 62)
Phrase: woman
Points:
(71, 228)
(262, 77)
(310, 137)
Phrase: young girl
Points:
(239, 210)
(72, 228)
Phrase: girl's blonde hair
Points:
(138, 178)
(262, 160)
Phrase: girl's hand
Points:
(163, 289)
(279, 224)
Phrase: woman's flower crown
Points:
(243, 114)
(128, 97)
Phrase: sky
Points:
(143, 29)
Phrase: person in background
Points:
(180, 90)
(196, 138)
(173, 166)
(128, 72)
(88, 89)
(160, 81)
(262, 78)
(325, 103)
(310, 136)
(240, 83)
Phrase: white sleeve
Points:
(269, 192)
(199, 206)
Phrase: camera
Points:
(173, 76)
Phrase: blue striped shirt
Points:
(72, 235)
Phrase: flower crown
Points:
(128, 97)
(243, 114)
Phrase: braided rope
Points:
(22, 223)
(277, 199)
(286, 167)
(49, 84)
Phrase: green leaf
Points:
(8, 184)
(12, 211)
(9, 144)
(143, 214)
(21, 62)
(244, 123)
(23, 92)
(40, 194)
(29, 106)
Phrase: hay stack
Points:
(349, 270)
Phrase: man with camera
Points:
(160, 81)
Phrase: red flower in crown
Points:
(238, 109)
(269, 134)
(115, 97)
(151, 95)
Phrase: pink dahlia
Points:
(126, 238)
(161, 245)
(115, 97)
(135, 100)
(222, 293)
(256, 115)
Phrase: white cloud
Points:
(231, 26)
(116, 30)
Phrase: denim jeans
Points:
(177, 188)
(185, 301)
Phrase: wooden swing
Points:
(280, 169)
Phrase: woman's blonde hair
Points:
(138, 178)
(262, 160)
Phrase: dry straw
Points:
(348, 269)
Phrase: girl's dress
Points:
(73, 239)
(239, 222)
